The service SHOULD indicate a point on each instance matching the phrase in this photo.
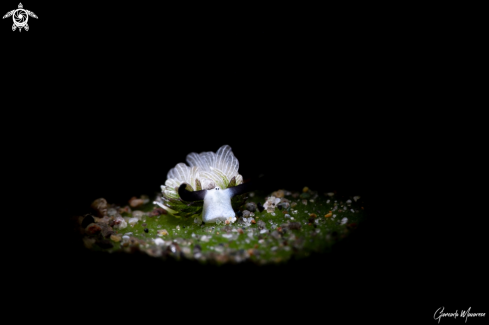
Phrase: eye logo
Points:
(20, 17)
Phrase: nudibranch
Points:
(210, 187)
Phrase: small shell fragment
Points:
(162, 232)
(115, 238)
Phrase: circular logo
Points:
(20, 17)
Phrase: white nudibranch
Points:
(210, 186)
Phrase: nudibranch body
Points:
(217, 205)
(210, 186)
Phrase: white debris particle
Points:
(273, 214)
(219, 249)
(330, 194)
(348, 201)
(227, 235)
(271, 203)
(311, 200)
(132, 221)
(344, 220)
(356, 198)
(352, 210)
(246, 221)
(294, 211)
(137, 214)
(263, 231)
(159, 241)
(121, 223)
(328, 201)
(334, 215)
(205, 238)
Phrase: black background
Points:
(114, 95)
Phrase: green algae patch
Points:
(293, 227)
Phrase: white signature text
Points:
(463, 313)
